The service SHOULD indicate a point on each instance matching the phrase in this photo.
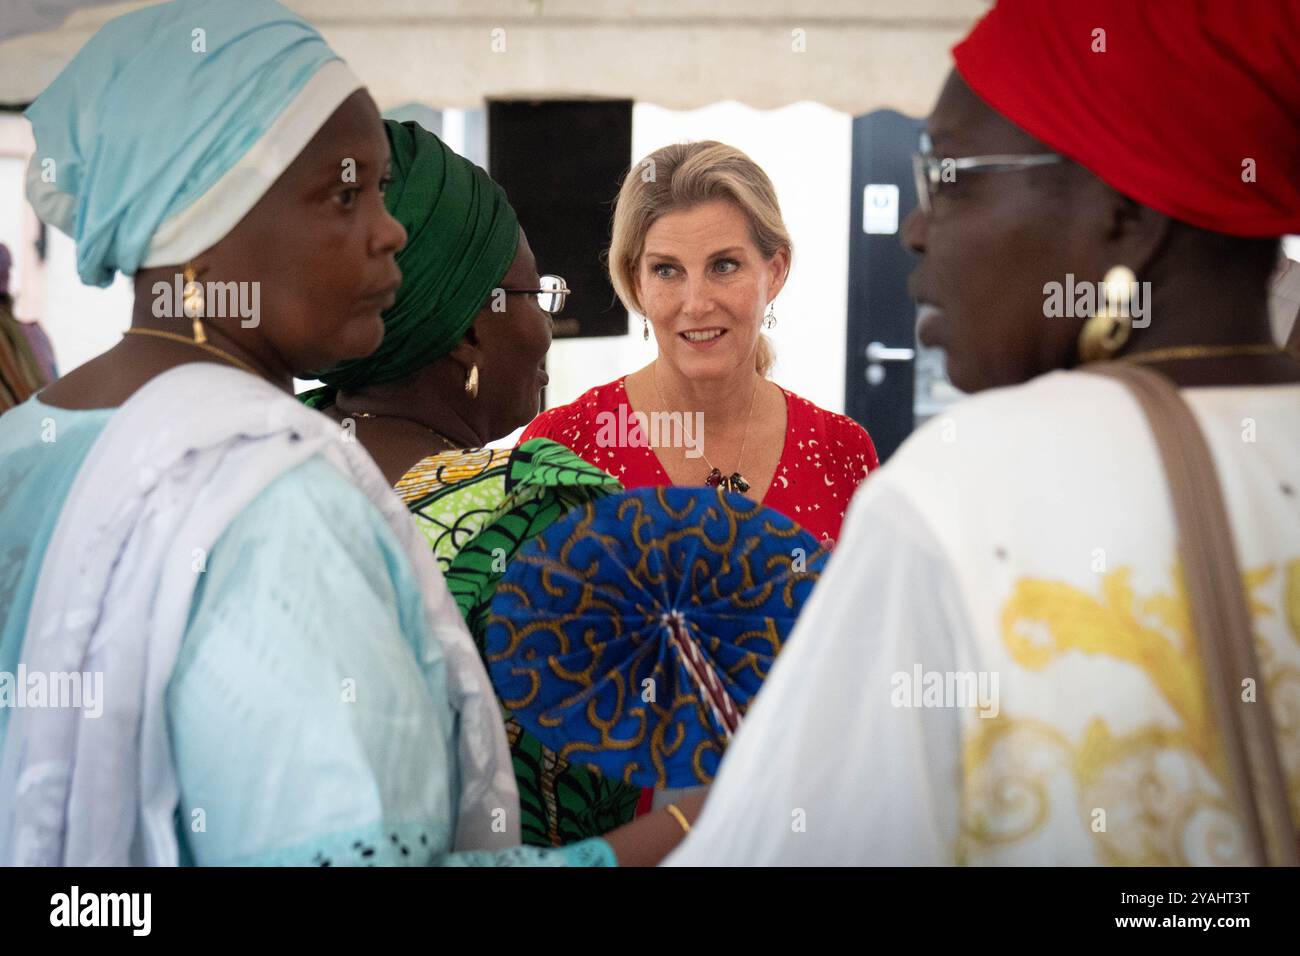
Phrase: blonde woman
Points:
(700, 251)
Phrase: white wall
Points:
(18, 225)
(82, 321)
(805, 149)
(11, 215)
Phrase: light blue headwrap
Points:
(171, 123)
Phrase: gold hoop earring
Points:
(192, 303)
(769, 320)
(645, 329)
(1106, 332)
(471, 382)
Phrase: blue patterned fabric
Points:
(609, 627)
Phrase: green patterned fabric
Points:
(544, 480)
(476, 508)
(563, 803)
(452, 495)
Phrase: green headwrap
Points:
(461, 237)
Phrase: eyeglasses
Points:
(930, 169)
(550, 296)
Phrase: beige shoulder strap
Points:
(1220, 615)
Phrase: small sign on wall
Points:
(880, 209)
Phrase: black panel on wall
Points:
(561, 163)
(882, 318)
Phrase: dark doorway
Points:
(561, 163)
(880, 388)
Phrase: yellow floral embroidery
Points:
(1164, 785)
(1293, 598)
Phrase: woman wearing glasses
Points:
(700, 251)
(1017, 650)
(267, 667)
(461, 366)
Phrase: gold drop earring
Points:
(1106, 332)
(192, 303)
(471, 382)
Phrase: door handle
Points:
(878, 353)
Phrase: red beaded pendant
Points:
(733, 482)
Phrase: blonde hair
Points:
(684, 175)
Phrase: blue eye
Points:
(663, 271)
(726, 262)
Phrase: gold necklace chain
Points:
(172, 336)
(736, 479)
(451, 445)
(1202, 351)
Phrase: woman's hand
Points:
(648, 839)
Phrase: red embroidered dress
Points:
(825, 455)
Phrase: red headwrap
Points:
(1193, 108)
